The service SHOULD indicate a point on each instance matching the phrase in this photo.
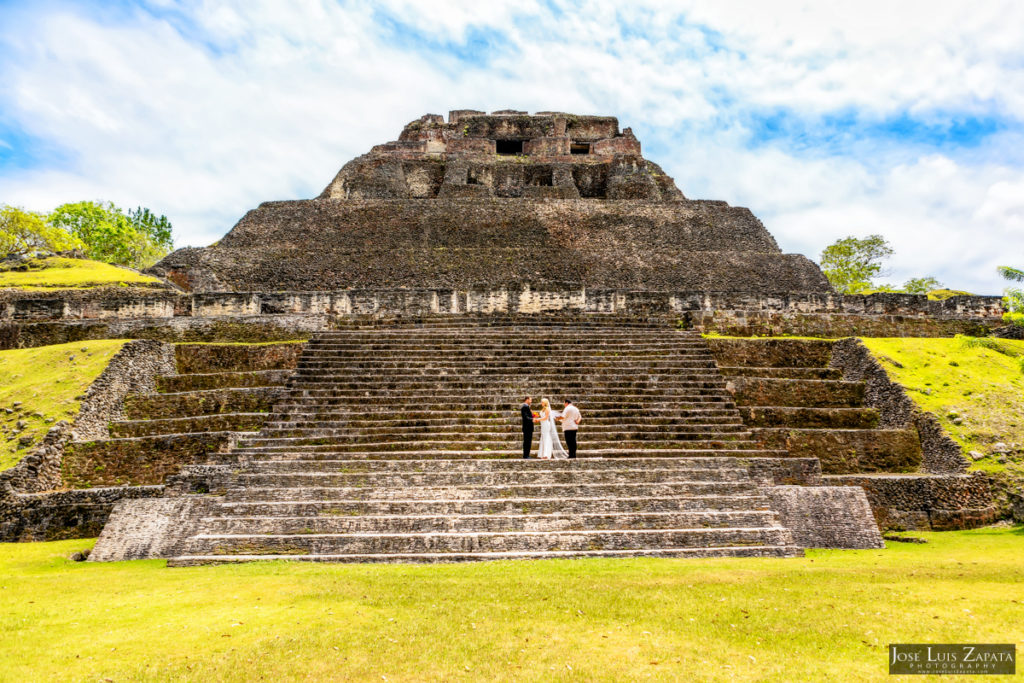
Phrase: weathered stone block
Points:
(139, 461)
(848, 451)
(826, 516)
(761, 391)
(209, 358)
(773, 353)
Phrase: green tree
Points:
(921, 285)
(851, 263)
(1013, 299)
(156, 228)
(23, 231)
(137, 239)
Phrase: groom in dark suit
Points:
(527, 414)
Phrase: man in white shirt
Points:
(570, 423)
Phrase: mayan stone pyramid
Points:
(506, 199)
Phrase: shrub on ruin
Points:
(851, 263)
(136, 238)
(1013, 297)
(22, 232)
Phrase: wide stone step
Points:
(373, 414)
(487, 542)
(513, 342)
(383, 425)
(496, 426)
(515, 478)
(802, 416)
(321, 382)
(518, 332)
(500, 435)
(341, 445)
(586, 451)
(738, 551)
(221, 380)
(506, 398)
(571, 352)
(399, 524)
(440, 365)
(573, 490)
(490, 465)
(139, 461)
(812, 393)
(226, 422)
(211, 402)
(353, 508)
(782, 373)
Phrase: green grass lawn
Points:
(67, 273)
(974, 387)
(829, 616)
(46, 380)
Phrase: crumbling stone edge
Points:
(32, 506)
(896, 410)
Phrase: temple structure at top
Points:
(499, 200)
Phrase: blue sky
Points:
(826, 119)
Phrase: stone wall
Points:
(826, 516)
(134, 369)
(145, 529)
(896, 409)
(279, 316)
(139, 461)
(205, 358)
(926, 502)
(57, 515)
(491, 244)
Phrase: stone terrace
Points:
(401, 444)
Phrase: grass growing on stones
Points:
(67, 273)
(46, 381)
(829, 616)
(975, 387)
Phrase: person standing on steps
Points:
(570, 420)
(550, 447)
(527, 414)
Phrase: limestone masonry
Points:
(436, 281)
(498, 200)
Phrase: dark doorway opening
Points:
(580, 148)
(509, 146)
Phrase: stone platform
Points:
(401, 444)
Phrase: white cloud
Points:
(201, 110)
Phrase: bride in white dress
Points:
(550, 445)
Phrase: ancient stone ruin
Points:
(366, 351)
(468, 204)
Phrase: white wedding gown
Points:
(550, 445)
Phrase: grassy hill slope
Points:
(67, 273)
(40, 386)
(975, 387)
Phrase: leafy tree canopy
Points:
(137, 238)
(24, 231)
(1013, 299)
(851, 263)
(921, 285)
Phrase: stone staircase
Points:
(403, 444)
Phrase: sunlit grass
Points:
(974, 387)
(829, 616)
(67, 273)
(46, 381)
